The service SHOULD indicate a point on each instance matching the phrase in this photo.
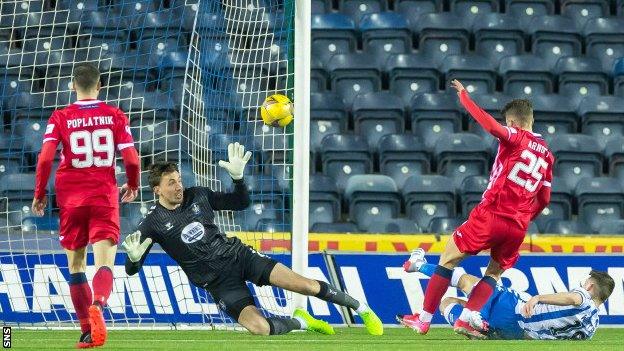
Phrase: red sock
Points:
(81, 298)
(437, 286)
(102, 285)
(481, 293)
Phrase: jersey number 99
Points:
(532, 168)
(100, 141)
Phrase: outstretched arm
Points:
(558, 299)
(236, 200)
(483, 118)
(137, 251)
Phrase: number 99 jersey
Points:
(90, 132)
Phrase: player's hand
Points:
(134, 247)
(128, 194)
(38, 205)
(237, 160)
(527, 309)
(457, 85)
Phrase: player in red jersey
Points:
(89, 132)
(518, 191)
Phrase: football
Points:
(277, 111)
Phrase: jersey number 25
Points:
(100, 141)
(532, 168)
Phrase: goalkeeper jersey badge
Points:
(195, 208)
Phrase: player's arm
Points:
(557, 299)
(137, 247)
(483, 118)
(51, 138)
(130, 156)
(543, 196)
(238, 199)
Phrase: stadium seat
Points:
(619, 7)
(344, 155)
(402, 156)
(248, 219)
(525, 75)
(618, 77)
(477, 73)
(384, 34)
(471, 192)
(412, 74)
(328, 116)
(471, 9)
(371, 197)
(376, 115)
(583, 10)
(100, 23)
(162, 25)
(47, 223)
(554, 114)
(79, 6)
(444, 225)
(441, 34)
(560, 206)
(47, 24)
(603, 40)
(18, 186)
(131, 8)
(497, 36)
(353, 75)
(601, 117)
(11, 149)
(615, 226)
(599, 200)
(434, 115)
(26, 105)
(492, 104)
(427, 197)
(32, 131)
(332, 34)
(461, 155)
(211, 24)
(150, 106)
(395, 226)
(614, 154)
(325, 205)
(321, 6)
(577, 156)
(318, 76)
(566, 227)
(554, 37)
(264, 189)
(356, 9)
(413, 9)
(11, 84)
(526, 10)
(580, 77)
(8, 166)
(339, 227)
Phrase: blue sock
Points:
(427, 269)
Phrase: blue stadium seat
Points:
(471, 192)
(526, 10)
(554, 114)
(471, 9)
(353, 75)
(618, 74)
(344, 155)
(165, 24)
(525, 75)
(492, 104)
(619, 7)
(208, 24)
(394, 226)
(46, 24)
(332, 34)
(384, 34)
(26, 105)
(577, 156)
(560, 206)
(614, 154)
(427, 197)
(441, 34)
(356, 9)
(615, 226)
(599, 200)
(78, 6)
(402, 156)
(152, 106)
(11, 149)
(601, 117)
(583, 10)
(444, 225)
(32, 131)
(376, 115)
(435, 115)
(497, 36)
(461, 155)
(371, 198)
(49, 222)
(264, 189)
(328, 116)
(18, 186)
(131, 8)
(318, 76)
(11, 84)
(22, 7)
(8, 166)
(321, 6)
(338, 227)
(324, 200)
(104, 24)
(603, 40)
(477, 73)
(43, 44)
(554, 37)
(249, 219)
(413, 9)
(580, 77)
(412, 74)
(566, 227)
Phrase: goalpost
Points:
(190, 76)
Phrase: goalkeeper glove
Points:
(134, 247)
(237, 160)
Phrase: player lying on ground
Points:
(519, 189)
(89, 132)
(182, 222)
(565, 315)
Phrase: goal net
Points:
(190, 75)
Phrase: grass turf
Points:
(438, 339)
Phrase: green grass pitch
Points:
(438, 339)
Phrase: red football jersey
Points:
(89, 132)
(523, 165)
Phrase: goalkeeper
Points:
(182, 222)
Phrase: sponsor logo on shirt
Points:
(169, 226)
(49, 128)
(193, 232)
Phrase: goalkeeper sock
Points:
(80, 292)
(102, 285)
(436, 288)
(278, 326)
(480, 294)
(331, 294)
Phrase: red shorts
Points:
(484, 230)
(88, 224)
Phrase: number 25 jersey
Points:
(90, 132)
(523, 165)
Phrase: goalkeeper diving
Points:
(182, 223)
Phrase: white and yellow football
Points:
(277, 111)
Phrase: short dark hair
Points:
(86, 76)
(604, 284)
(156, 171)
(521, 109)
